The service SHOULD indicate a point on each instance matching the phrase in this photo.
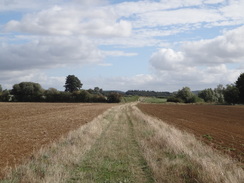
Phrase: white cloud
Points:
(60, 33)
(35, 5)
(118, 53)
(167, 59)
(9, 78)
(49, 52)
(71, 21)
(224, 49)
(201, 63)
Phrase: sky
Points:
(160, 45)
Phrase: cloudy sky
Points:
(160, 45)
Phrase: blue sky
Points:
(160, 45)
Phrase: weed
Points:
(207, 136)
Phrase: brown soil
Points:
(25, 127)
(219, 126)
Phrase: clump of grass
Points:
(207, 136)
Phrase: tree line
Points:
(231, 94)
(33, 92)
(148, 93)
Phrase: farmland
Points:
(125, 145)
(220, 126)
(122, 144)
(25, 127)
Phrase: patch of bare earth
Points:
(219, 126)
(26, 127)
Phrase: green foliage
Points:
(5, 96)
(213, 96)
(240, 85)
(207, 136)
(231, 94)
(147, 93)
(185, 94)
(1, 89)
(154, 100)
(114, 98)
(130, 98)
(72, 83)
(195, 99)
(51, 95)
(208, 95)
(174, 99)
(27, 92)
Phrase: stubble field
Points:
(222, 127)
(26, 127)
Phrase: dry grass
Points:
(55, 162)
(176, 156)
(115, 157)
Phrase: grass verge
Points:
(176, 156)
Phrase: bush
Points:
(114, 98)
(174, 99)
(195, 99)
(185, 95)
(231, 94)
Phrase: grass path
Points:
(116, 156)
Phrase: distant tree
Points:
(185, 95)
(219, 93)
(114, 98)
(96, 90)
(72, 83)
(1, 89)
(231, 94)
(240, 85)
(27, 92)
(52, 95)
(5, 96)
(208, 95)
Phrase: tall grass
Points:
(177, 156)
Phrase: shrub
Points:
(114, 98)
(174, 99)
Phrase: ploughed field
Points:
(25, 127)
(220, 126)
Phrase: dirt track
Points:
(25, 127)
(220, 126)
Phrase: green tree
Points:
(114, 97)
(52, 95)
(219, 93)
(208, 95)
(240, 85)
(185, 95)
(72, 83)
(231, 94)
(27, 92)
(5, 96)
(1, 89)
